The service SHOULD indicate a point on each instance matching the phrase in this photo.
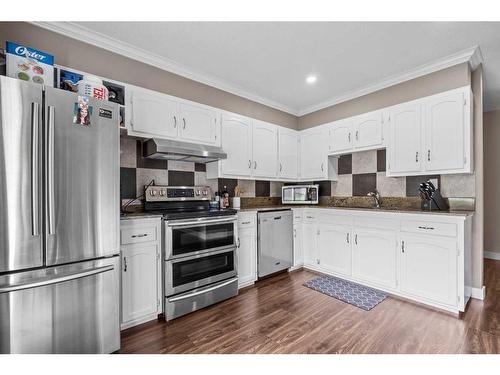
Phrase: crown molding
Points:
(471, 55)
(97, 39)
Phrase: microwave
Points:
(300, 194)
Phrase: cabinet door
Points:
(139, 281)
(444, 132)
(334, 247)
(313, 155)
(375, 257)
(405, 155)
(368, 130)
(341, 136)
(265, 149)
(298, 253)
(198, 124)
(247, 256)
(310, 244)
(236, 134)
(153, 114)
(429, 268)
(288, 149)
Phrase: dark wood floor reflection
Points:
(279, 315)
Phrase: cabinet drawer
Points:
(429, 227)
(246, 220)
(139, 234)
(309, 216)
(297, 216)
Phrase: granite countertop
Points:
(391, 210)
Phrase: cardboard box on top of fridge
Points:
(29, 64)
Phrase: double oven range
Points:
(199, 248)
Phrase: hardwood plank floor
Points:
(280, 315)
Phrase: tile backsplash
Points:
(359, 173)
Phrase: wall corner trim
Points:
(492, 255)
(479, 293)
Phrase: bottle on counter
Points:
(224, 198)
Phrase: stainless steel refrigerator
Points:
(59, 222)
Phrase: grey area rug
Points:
(357, 295)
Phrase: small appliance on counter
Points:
(300, 194)
(431, 197)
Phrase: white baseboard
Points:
(479, 293)
(492, 255)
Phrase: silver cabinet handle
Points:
(239, 243)
(281, 167)
(356, 239)
(44, 281)
(139, 235)
(202, 291)
(295, 233)
(49, 168)
(347, 237)
(183, 123)
(349, 137)
(428, 155)
(426, 228)
(357, 135)
(35, 204)
(416, 156)
(309, 217)
(403, 246)
(245, 222)
(254, 164)
(249, 164)
(321, 167)
(124, 264)
(175, 121)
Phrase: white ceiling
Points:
(269, 61)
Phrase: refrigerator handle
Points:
(35, 173)
(54, 280)
(49, 169)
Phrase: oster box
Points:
(29, 64)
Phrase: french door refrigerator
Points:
(59, 222)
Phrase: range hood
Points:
(177, 150)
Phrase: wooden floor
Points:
(279, 315)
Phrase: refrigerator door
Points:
(82, 179)
(63, 309)
(20, 166)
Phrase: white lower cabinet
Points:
(375, 257)
(246, 252)
(298, 251)
(310, 244)
(429, 267)
(334, 247)
(141, 271)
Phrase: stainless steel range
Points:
(199, 248)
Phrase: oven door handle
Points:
(203, 255)
(200, 222)
(202, 291)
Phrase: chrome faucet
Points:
(376, 196)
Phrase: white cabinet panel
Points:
(444, 132)
(405, 145)
(375, 256)
(198, 124)
(152, 114)
(298, 251)
(334, 246)
(139, 281)
(341, 137)
(429, 268)
(236, 134)
(310, 244)
(288, 150)
(265, 149)
(247, 256)
(313, 153)
(368, 130)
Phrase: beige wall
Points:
(81, 56)
(447, 79)
(478, 218)
(492, 181)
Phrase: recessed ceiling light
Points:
(311, 79)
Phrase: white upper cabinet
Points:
(198, 124)
(341, 136)
(445, 132)
(265, 149)
(288, 151)
(431, 135)
(314, 161)
(368, 130)
(405, 151)
(152, 114)
(236, 134)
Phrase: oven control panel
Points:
(178, 193)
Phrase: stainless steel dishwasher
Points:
(275, 241)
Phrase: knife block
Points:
(437, 202)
